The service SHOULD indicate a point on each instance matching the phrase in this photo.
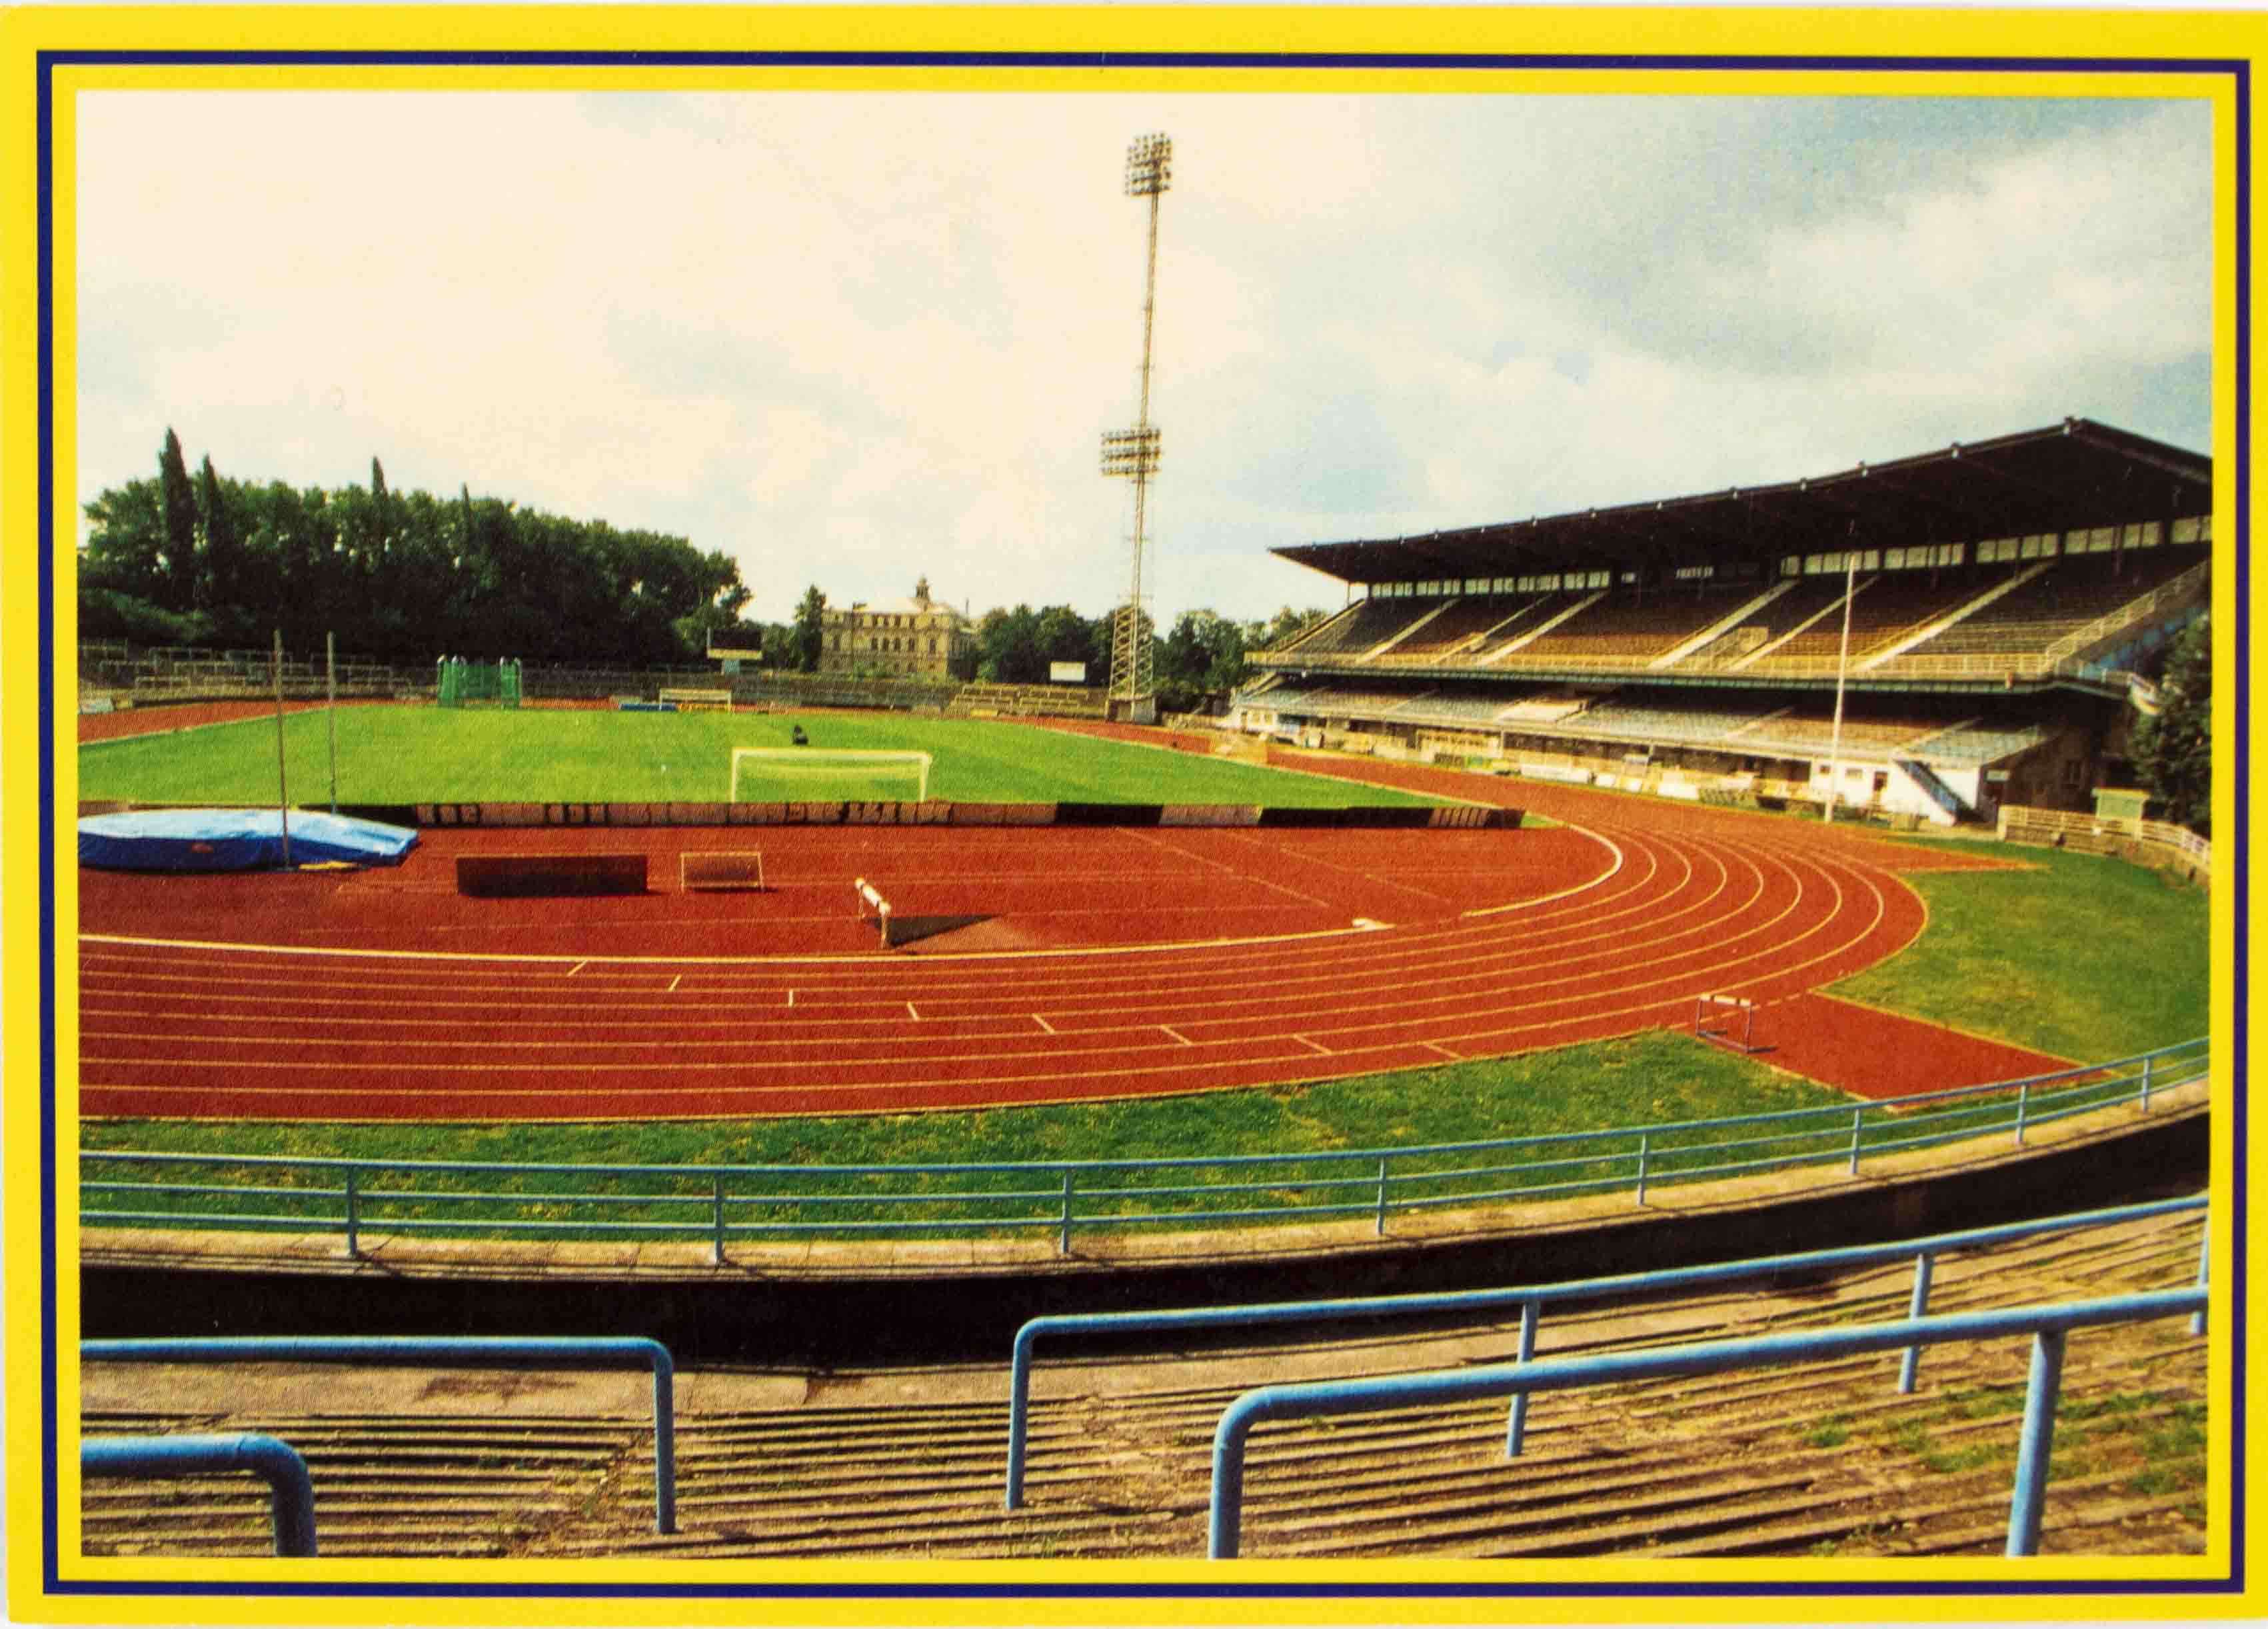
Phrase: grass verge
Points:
(2085, 957)
(1641, 1080)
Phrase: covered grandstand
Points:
(1997, 595)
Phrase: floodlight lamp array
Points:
(1149, 166)
(1131, 451)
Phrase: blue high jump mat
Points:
(235, 840)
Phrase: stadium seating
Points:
(1888, 606)
(1371, 623)
(1807, 1460)
(1808, 598)
(1629, 628)
(2070, 594)
(1661, 722)
(1029, 701)
(1463, 627)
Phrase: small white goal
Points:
(816, 774)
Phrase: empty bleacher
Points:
(1029, 701)
(1824, 1458)
(1630, 628)
(1370, 624)
(1813, 731)
(1658, 720)
(1889, 606)
(2070, 594)
(1808, 598)
(1465, 627)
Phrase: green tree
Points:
(1201, 657)
(1008, 647)
(1280, 630)
(180, 511)
(220, 561)
(807, 640)
(2173, 751)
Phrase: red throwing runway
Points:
(1093, 963)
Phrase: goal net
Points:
(816, 774)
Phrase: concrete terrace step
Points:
(1765, 1462)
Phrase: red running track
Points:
(1112, 963)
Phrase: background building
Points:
(920, 637)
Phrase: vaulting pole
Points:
(282, 780)
(331, 691)
(1842, 669)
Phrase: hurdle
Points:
(1721, 1034)
(721, 871)
(869, 896)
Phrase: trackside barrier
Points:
(718, 1204)
(1530, 1300)
(2047, 1325)
(507, 1352)
(291, 1495)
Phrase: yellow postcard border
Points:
(62, 52)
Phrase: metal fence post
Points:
(1516, 1434)
(2204, 1248)
(1924, 1262)
(2145, 1085)
(1641, 1170)
(2036, 1443)
(2024, 1106)
(1858, 1119)
(1062, 1239)
(354, 1213)
(717, 1220)
(1379, 1230)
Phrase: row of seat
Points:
(1799, 627)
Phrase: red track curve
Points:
(1531, 939)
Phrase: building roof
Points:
(2065, 477)
(900, 607)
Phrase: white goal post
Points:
(801, 774)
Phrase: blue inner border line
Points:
(2237, 70)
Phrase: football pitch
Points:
(425, 755)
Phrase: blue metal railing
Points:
(2047, 1325)
(291, 1495)
(721, 1204)
(1531, 1298)
(516, 1352)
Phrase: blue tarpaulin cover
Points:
(235, 840)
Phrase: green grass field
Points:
(2083, 956)
(425, 755)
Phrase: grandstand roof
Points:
(2072, 475)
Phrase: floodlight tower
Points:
(1134, 452)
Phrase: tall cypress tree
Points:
(181, 503)
(221, 568)
(808, 639)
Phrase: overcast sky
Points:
(857, 339)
